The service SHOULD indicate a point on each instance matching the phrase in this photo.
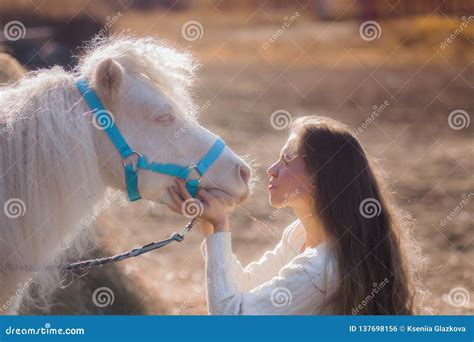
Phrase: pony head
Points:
(145, 87)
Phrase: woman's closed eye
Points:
(286, 160)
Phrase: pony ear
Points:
(108, 78)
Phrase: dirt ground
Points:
(320, 68)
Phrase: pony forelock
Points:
(172, 70)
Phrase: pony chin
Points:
(224, 197)
(221, 195)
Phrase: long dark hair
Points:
(377, 259)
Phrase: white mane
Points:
(47, 158)
(173, 71)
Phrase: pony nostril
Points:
(245, 173)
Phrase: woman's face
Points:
(290, 185)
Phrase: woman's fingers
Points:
(174, 208)
(179, 194)
(204, 195)
(178, 202)
(182, 189)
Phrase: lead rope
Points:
(156, 245)
(178, 237)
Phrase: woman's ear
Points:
(108, 79)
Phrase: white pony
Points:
(56, 162)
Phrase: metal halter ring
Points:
(124, 160)
(199, 175)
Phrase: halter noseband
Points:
(131, 171)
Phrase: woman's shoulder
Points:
(316, 258)
(317, 264)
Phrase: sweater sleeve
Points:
(297, 289)
(262, 270)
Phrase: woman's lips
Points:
(271, 187)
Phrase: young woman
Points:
(349, 251)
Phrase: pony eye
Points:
(164, 119)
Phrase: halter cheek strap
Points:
(104, 119)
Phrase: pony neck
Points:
(49, 163)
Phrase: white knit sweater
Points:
(282, 282)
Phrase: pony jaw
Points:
(228, 199)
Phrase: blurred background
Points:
(399, 72)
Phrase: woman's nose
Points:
(271, 171)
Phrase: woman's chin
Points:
(275, 203)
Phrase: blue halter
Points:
(131, 171)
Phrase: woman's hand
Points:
(214, 212)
